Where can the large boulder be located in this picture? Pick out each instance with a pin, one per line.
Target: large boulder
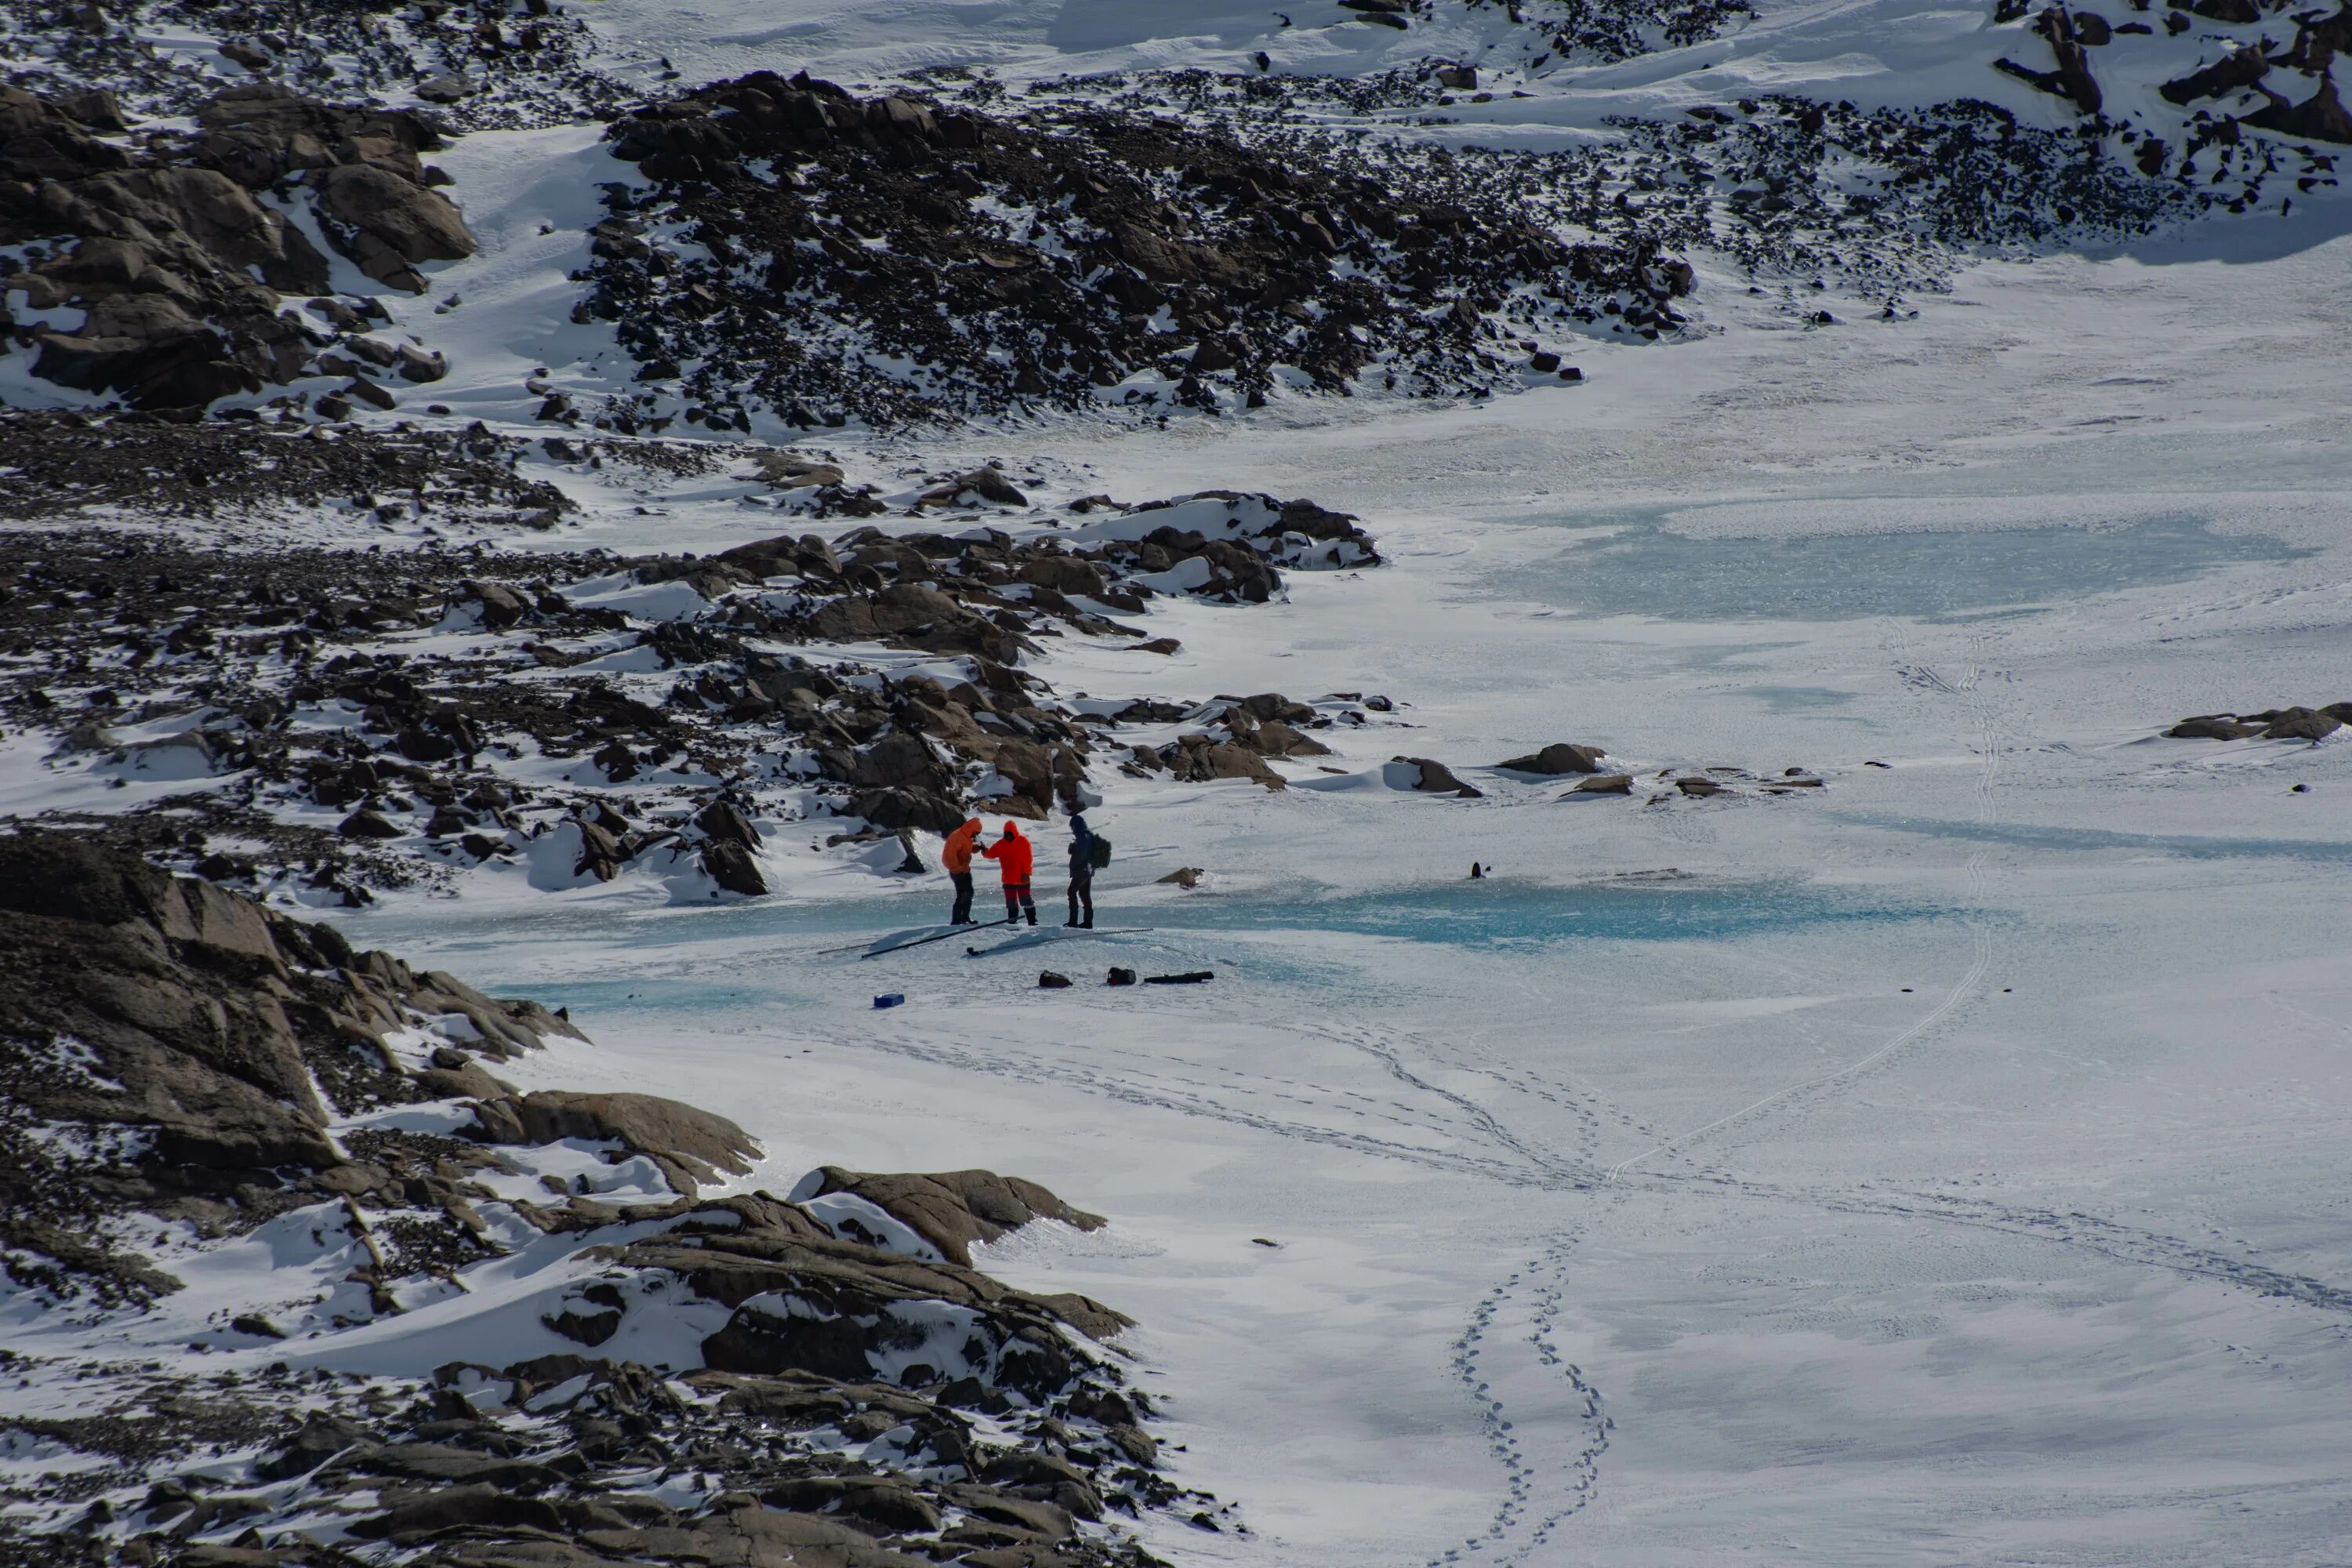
(1434, 777)
(388, 226)
(1197, 759)
(951, 1209)
(2300, 724)
(2214, 727)
(690, 1145)
(1556, 759)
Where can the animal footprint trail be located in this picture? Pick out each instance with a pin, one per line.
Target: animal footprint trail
(1158, 1091)
(1543, 1419)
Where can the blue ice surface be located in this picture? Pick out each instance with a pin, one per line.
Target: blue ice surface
(1644, 569)
(1496, 913)
(2095, 840)
(655, 964)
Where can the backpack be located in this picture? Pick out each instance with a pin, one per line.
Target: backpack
(1098, 853)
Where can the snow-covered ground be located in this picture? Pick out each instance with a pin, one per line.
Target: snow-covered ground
(1947, 1168)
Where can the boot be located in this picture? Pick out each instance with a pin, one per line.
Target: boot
(1088, 924)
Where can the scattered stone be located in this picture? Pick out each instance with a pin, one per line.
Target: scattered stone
(1051, 980)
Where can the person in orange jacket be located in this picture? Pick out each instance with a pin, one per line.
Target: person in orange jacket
(1012, 855)
(957, 857)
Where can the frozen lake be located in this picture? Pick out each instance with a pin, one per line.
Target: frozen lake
(1948, 1168)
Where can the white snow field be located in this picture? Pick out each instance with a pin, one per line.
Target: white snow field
(1950, 1167)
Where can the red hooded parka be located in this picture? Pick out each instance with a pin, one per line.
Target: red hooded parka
(1011, 854)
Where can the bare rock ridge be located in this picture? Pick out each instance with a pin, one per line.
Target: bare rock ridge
(878, 218)
(181, 270)
(859, 1395)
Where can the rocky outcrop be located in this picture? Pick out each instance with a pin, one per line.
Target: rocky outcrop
(955, 1209)
(180, 269)
(2269, 724)
(2071, 78)
(217, 1035)
(863, 1401)
(2322, 117)
(886, 247)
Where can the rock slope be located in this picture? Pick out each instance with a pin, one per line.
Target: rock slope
(827, 258)
(178, 249)
(194, 1083)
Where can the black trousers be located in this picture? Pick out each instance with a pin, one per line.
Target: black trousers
(962, 880)
(1082, 892)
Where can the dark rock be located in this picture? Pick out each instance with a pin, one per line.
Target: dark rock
(1197, 759)
(729, 864)
(692, 1146)
(989, 484)
(321, 1437)
(1051, 980)
(2300, 724)
(1434, 777)
(390, 227)
(1604, 784)
(1556, 759)
(2322, 117)
(953, 1209)
(2213, 729)
(2238, 70)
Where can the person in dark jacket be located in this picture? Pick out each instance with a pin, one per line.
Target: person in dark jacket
(1012, 857)
(1082, 872)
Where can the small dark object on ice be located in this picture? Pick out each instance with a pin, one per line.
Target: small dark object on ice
(1477, 872)
(1190, 977)
(1119, 976)
(1261, 1241)
(889, 999)
(1047, 980)
(1878, 764)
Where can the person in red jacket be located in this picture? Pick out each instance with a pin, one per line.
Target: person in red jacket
(957, 857)
(1011, 854)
